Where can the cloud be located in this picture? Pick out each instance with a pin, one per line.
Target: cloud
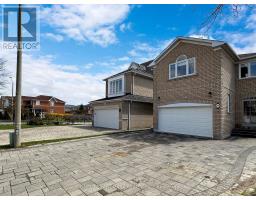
(88, 66)
(239, 30)
(242, 40)
(55, 37)
(124, 58)
(93, 23)
(143, 51)
(251, 21)
(125, 26)
(232, 17)
(42, 76)
(201, 36)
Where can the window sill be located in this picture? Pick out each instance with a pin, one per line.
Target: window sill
(115, 95)
(180, 77)
(250, 77)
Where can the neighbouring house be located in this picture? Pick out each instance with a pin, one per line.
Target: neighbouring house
(203, 88)
(128, 103)
(37, 106)
(79, 112)
(70, 108)
(6, 107)
(78, 109)
(47, 104)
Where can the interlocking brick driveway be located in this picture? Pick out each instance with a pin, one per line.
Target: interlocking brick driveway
(54, 132)
(131, 164)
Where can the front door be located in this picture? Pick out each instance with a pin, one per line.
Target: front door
(250, 112)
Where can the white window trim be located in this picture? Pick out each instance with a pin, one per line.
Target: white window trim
(38, 103)
(123, 84)
(249, 69)
(52, 103)
(187, 69)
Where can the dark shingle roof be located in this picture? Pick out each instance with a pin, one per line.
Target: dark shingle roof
(47, 98)
(142, 69)
(128, 97)
(247, 55)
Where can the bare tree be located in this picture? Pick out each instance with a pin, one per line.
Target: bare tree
(218, 11)
(3, 74)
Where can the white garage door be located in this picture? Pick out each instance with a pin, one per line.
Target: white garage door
(106, 118)
(185, 118)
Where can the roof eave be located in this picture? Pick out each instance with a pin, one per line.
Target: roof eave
(247, 58)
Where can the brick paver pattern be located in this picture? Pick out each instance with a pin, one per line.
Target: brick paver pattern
(126, 164)
(53, 132)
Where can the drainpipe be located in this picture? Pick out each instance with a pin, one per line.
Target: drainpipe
(129, 116)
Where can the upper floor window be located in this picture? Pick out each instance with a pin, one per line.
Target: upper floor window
(37, 102)
(247, 70)
(182, 67)
(6, 103)
(52, 103)
(116, 86)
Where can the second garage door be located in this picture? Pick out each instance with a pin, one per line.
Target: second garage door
(185, 118)
(106, 118)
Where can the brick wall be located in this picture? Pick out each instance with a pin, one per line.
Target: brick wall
(194, 88)
(227, 87)
(45, 106)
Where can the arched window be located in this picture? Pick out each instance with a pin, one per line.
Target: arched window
(181, 58)
(182, 67)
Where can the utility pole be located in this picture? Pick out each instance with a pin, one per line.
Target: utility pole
(17, 132)
(12, 101)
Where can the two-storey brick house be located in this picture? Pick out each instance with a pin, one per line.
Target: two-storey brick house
(37, 106)
(128, 103)
(203, 88)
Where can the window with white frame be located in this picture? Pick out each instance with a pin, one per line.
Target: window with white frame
(37, 102)
(247, 70)
(229, 103)
(6, 103)
(52, 103)
(116, 86)
(182, 67)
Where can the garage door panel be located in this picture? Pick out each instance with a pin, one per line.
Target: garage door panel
(106, 118)
(186, 120)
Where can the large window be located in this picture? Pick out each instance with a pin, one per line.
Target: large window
(116, 86)
(247, 70)
(52, 103)
(182, 67)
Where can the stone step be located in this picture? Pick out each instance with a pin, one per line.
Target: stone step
(245, 132)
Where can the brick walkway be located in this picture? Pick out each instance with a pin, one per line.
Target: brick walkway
(131, 164)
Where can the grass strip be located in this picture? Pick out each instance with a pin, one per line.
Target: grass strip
(24, 126)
